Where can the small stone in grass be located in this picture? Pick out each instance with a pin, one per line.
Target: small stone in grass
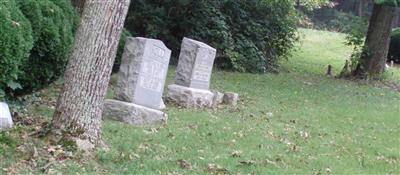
(231, 98)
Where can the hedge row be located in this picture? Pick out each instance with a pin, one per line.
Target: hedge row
(35, 41)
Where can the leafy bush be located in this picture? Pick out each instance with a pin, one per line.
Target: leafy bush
(15, 43)
(249, 35)
(394, 49)
(36, 37)
(53, 23)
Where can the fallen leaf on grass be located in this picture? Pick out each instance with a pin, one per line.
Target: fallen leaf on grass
(143, 147)
(193, 126)
(216, 169)
(328, 170)
(267, 161)
(236, 153)
(171, 136)
(174, 173)
(151, 130)
(35, 153)
(304, 134)
(185, 164)
(295, 148)
(247, 162)
(133, 156)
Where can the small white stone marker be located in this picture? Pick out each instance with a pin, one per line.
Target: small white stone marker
(5, 117)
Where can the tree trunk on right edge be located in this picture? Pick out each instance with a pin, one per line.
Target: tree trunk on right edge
(373, 58)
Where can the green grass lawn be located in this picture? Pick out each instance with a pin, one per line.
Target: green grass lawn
(296, 122)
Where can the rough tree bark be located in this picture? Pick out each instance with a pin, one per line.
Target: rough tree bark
(79, 5)
(373, 58)
(79, 107)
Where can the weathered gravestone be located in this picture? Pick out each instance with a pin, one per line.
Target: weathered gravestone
(192, 81)
(193, 74)
(5, 117)
(140, 83)
(195, 64)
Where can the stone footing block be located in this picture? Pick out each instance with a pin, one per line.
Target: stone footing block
(132, 113)
(218, 98)
(190, 97)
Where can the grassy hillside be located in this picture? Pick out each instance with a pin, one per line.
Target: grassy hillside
(299, 121)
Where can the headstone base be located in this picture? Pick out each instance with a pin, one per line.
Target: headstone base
(132, 113)
(190, 97)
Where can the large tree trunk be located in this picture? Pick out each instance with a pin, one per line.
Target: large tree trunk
(373, 58)
(79, 107)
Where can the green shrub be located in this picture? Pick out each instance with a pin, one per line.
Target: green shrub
(121, 46)
(35, 41)
(394, 49)
(53, 23)
(15, 43)
(249, 35)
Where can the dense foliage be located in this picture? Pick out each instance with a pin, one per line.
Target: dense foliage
(15, 43)
(394, 49)
(54, 23)
(249, 35)
(36, 37)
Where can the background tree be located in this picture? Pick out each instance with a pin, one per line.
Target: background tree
(357, 7)
(373, 57)
(79, 108)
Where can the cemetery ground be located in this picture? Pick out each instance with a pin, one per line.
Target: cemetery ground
(298, 121)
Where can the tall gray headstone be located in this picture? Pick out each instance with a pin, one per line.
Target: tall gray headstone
(195, 64)
(140, 83)
(5, 117)
(193, 74)
(143, 72)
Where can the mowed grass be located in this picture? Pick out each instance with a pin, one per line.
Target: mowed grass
(296, 122)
